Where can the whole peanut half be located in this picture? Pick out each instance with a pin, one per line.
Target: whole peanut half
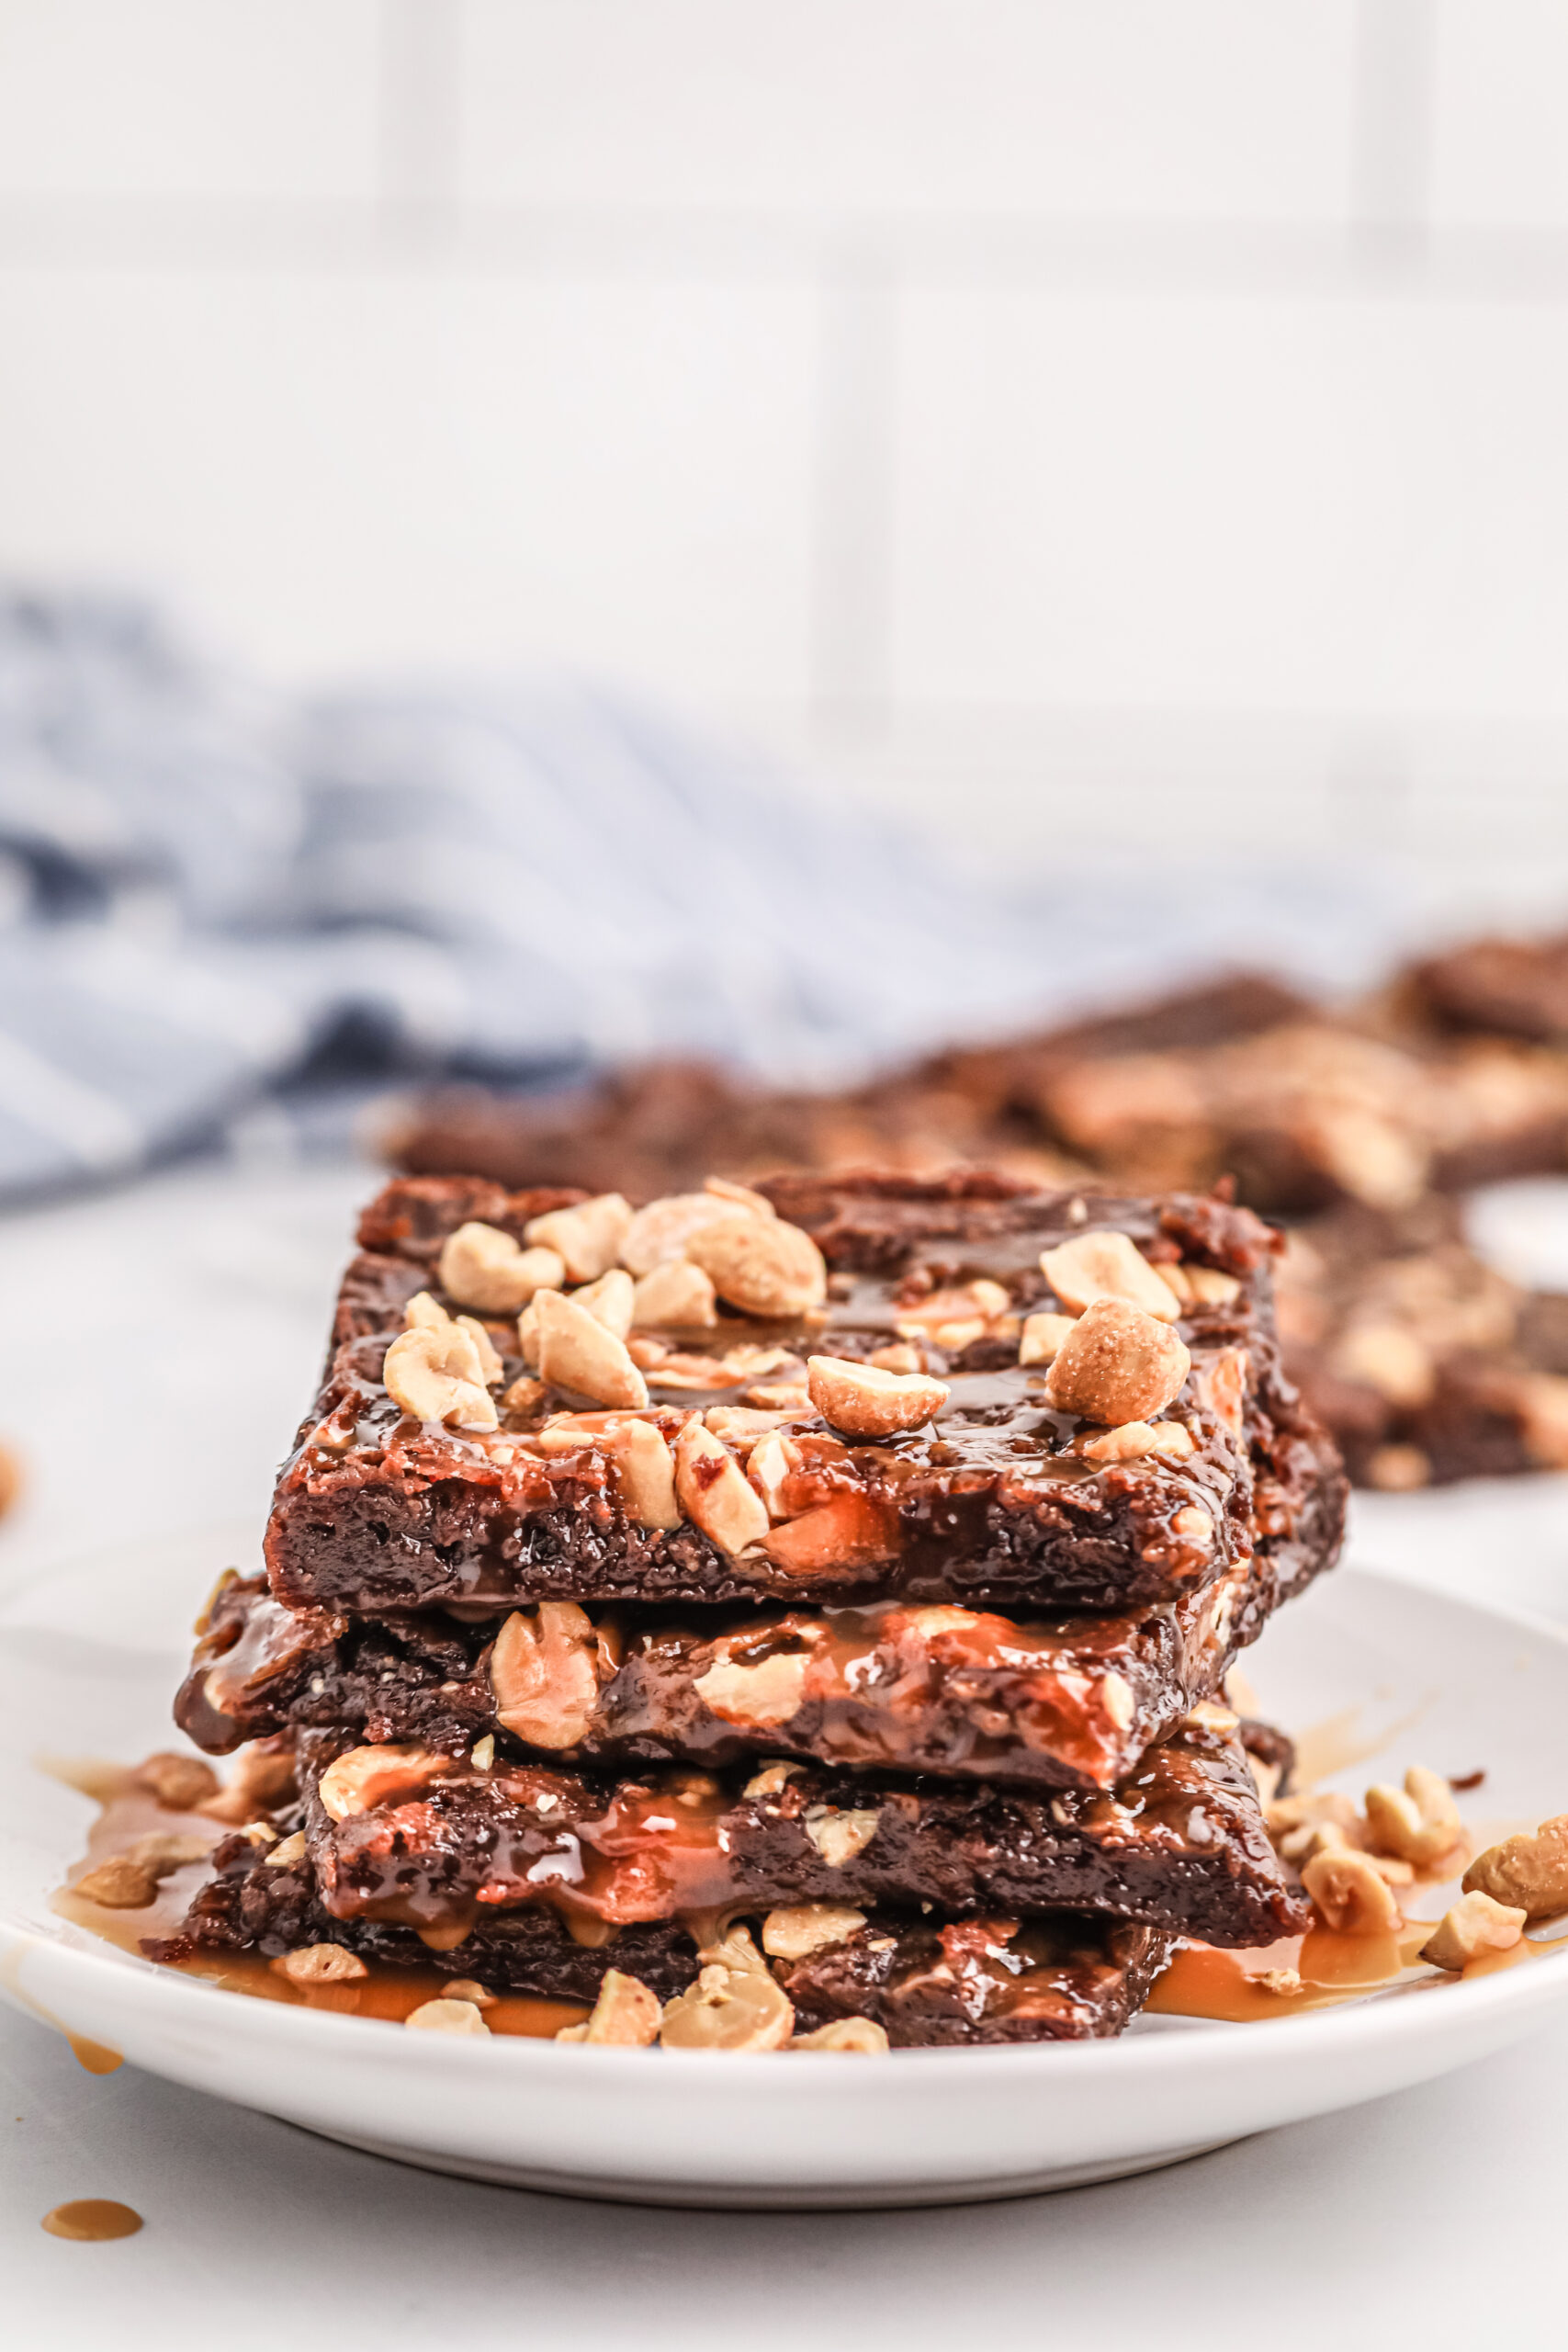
(1528, 1872)
(1119, 1364)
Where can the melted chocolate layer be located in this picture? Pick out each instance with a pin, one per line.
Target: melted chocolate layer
(1066, 1978)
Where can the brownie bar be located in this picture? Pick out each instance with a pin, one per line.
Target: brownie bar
(1069, 1703)
(661, 1126)
(1066, 1978)
(993, 1501)
(429, 1842)
(1427, 1365)
(1511, 988)
(1314, 1113)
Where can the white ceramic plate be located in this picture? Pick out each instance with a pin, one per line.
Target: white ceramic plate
(89, 1658)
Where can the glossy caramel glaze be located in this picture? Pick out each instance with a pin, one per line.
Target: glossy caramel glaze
(1067, 1702)
(991, 1502)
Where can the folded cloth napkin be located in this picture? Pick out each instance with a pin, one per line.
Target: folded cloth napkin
(211, 894)
(206, 890)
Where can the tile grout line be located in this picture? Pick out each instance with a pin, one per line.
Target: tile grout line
(1393, 89)
(419, 139)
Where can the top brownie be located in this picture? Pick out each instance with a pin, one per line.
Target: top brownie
(841, 1388)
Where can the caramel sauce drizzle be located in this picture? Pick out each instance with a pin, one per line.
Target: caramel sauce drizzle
(127, 1813)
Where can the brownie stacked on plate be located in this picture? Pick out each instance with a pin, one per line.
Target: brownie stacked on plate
(805, 1608)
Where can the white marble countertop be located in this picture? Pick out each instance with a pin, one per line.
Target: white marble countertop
(1434, 2211)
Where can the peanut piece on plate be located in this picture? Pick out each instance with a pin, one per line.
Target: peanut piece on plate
(482, 1266)
(1350, 1893)
(771, 1779)
(1107, 1265)
(626, 2014)
(163, 1852)
(1529, 1871)
(262, 1777)
(319, 1964)
(179, 1783)
(436, 1374)
(576, 1352)
(587, 1237)
(714, 1492)
(734, 2005)
(1420, 1822)
(447, 2016)
(119, 1885)
(1119, 1366)
(861, 2035)
(865, 1402)
(760, 1265)
(1474, 1924)
(544, 1670)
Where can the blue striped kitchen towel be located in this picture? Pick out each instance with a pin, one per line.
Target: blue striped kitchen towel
(207, 889)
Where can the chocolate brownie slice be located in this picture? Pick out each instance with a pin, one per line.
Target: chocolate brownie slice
(1000, 1497)
(1069, 1701)
(1068, 1978)
(415, 1839)
(1427, 1365)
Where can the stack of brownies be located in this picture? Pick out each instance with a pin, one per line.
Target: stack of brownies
(790, 1615)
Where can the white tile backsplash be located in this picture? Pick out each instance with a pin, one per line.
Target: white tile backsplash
(1109, 499)
(981, 396)
(333, 469)
(1311, 504)
(1132, 108)
(199, 99)
(1500, 103)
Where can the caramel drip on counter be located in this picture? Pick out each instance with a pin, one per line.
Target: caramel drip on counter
(95, 2056)
(93, 2219)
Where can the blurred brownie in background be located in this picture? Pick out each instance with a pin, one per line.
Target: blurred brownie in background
(1505, 988)
(1359, 1129)
(1241, 1078)
(1426, 1365)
